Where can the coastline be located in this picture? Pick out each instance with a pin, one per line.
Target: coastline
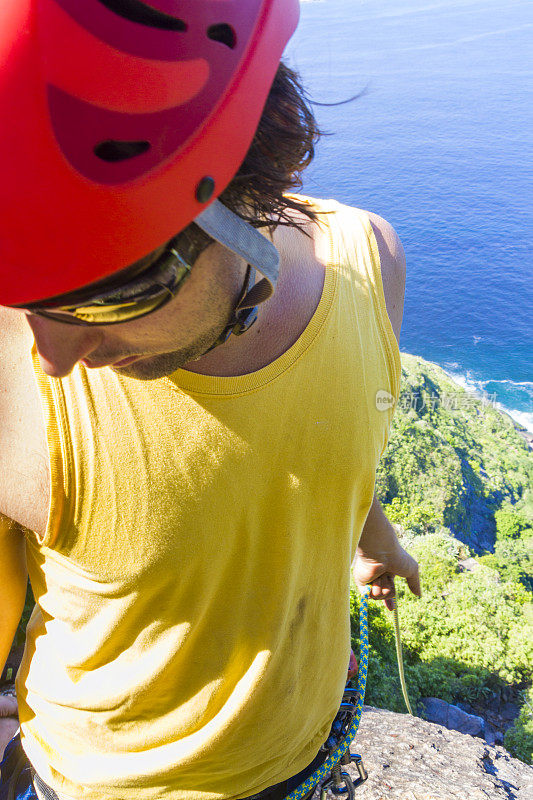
(526, 434)
(523, 417)
(467, 386)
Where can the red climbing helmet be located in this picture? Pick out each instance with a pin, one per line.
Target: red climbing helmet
(121, 120)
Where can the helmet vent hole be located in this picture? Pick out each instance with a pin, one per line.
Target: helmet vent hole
(137, 11)
(113, 151)
(224, 34)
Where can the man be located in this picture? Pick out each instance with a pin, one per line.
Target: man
(188, 448)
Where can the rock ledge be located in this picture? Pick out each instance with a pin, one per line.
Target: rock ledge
(408, 758)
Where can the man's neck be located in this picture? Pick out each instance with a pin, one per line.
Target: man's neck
(282, 318)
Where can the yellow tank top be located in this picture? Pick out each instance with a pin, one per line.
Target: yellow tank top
(191, 636)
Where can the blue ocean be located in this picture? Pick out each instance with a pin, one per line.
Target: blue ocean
(440, 145)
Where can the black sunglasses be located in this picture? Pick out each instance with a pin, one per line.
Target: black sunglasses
(136, 298)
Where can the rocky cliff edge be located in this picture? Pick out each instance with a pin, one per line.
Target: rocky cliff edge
(409, 759)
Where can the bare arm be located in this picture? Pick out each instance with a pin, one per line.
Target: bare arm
(13, 584)
(379, 555)
(380, 558)
(12, 596)
(13, 572)
(393, 269)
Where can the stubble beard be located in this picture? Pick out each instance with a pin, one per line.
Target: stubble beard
(218, 305)
(151, 368)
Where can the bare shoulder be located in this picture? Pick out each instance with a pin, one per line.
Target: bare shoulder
(23, 448)
(393, 269)
(11, 354)
(15, 346)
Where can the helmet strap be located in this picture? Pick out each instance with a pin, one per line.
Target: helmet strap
(245, 312)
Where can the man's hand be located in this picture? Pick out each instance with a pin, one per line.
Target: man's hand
(8, 706)
(380, 558)
(8, 720)
(380, 571)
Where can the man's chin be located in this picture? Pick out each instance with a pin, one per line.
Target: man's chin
(161, 365)
(150, 368)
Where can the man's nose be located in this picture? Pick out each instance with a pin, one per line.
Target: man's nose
(60, 345)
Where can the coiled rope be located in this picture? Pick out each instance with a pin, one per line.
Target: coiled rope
(323, 772)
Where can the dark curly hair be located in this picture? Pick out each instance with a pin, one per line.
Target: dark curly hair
(283, 146)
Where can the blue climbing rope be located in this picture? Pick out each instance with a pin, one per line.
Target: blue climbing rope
(334, 757)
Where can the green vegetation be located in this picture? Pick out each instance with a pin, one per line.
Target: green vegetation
(512, 560)
(511, 524)
(457, 478)
(519, 738)
(453, 461)
(466, 638)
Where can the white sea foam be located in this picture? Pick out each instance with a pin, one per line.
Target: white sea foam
(527, 384)
(470, 384)
(465, 381)
(524, 418)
